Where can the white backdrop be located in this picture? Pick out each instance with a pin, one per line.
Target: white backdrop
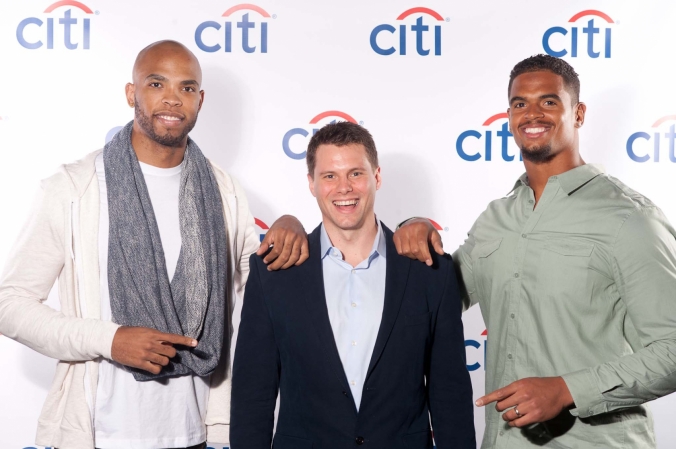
(305, 63)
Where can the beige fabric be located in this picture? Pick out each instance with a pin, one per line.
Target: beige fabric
(60, 240)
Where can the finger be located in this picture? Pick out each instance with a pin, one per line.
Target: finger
(397, 241)
(510, 415)
(435, 240)
(497, 395)
(510, 401)
(268, 240)
(304, 252)
(151, 367)
(295, 255)
(275, 251)
(404, 248)
(424, 252)
(164, 349)
(287, 247)
(523, 421)
(158, 359)
(175, 339)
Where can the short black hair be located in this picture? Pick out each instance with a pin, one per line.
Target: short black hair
(548, 63)
(341, 134)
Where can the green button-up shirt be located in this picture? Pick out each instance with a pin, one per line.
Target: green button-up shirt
(582, 286)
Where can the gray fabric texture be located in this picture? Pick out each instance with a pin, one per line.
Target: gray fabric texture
(194, 302)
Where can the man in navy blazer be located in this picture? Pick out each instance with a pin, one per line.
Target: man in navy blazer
(362, 345)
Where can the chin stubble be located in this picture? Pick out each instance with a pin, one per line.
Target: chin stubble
(167, 139)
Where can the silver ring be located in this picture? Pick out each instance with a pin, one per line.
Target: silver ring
(516, 410)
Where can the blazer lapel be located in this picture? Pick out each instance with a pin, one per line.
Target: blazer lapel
(396, 278)
(319, 313)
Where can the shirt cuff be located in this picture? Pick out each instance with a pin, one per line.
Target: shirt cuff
(218, 433)
(585, 392)
(106, 337)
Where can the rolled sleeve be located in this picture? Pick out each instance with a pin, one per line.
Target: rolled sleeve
(463, 270)
(583, 387)
(644, 266)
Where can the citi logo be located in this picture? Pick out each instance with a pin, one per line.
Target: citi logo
(30, 31)
(561, 48)
(480, 355)
(437, 226)
(386, 39)
(252, 35)
(468, 144)
(263, 228)
(638, 144)
(300, 144)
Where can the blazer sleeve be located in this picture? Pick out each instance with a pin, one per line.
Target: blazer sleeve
(256, 370)
(450, 387)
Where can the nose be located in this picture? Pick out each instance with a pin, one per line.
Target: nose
(171, 99)
(344, 185)
(533, 111)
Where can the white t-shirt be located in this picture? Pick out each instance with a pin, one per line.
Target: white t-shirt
(165, 413)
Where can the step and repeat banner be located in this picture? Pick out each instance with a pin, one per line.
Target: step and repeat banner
(427, 78)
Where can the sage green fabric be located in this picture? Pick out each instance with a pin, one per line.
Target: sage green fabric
(582, 286)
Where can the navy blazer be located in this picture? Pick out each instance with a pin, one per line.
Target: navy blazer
(417, 368)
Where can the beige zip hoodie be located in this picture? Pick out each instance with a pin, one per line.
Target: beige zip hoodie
(60, 240)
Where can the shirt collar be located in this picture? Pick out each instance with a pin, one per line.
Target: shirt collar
(571, 180)
(379, 247)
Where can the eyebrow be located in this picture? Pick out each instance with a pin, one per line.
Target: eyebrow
(542, 97)
(157, 77)
(349, 170)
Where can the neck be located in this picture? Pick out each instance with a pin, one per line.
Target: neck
(539, 173)
(355, 244)
(152, 153)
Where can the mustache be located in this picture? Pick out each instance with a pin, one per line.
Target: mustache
(536, 122)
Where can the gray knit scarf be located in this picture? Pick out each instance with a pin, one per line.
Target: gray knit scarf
(194, 303)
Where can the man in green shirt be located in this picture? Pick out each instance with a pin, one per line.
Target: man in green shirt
(575, 274)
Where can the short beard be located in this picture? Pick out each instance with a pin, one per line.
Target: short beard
(167, 140)
(537, 155)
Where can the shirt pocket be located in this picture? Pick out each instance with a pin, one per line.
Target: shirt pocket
(485, 266)
(564, 268)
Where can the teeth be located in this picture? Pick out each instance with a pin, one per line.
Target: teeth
(166, 117)
(346, 203)
(535, 130)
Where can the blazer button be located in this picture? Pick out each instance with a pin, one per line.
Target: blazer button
(359, 440)
(344, 393)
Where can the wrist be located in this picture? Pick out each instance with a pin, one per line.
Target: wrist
(411, 220)
(566, 396)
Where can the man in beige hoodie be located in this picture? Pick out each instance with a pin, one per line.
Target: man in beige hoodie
(94, 400)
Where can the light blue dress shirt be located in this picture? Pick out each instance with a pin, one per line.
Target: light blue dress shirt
(355, 297)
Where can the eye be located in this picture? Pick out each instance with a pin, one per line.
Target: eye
(155, 84)
(329, 177)
(550, 103)
(356, 173)
(189, 89)
(519, 105)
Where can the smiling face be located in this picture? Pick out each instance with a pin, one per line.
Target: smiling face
(165, 94)
(345, 184)
(542, 117)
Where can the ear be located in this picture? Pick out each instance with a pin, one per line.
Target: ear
(378, 178)
(311, 182)
(199, 108)
(129, 91)
(580, 111)
(509, 120)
